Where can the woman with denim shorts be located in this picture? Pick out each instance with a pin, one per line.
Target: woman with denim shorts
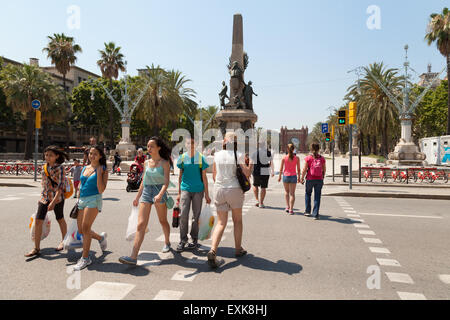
(153, 191)
(290, 169)
(94, 179)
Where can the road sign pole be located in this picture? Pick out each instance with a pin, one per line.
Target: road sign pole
(36, 147)
(351, 156)
(332, 143)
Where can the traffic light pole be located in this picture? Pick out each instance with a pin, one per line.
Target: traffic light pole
(351, 156)
(332, 143)
(36, 147)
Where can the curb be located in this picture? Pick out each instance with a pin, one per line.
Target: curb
(389, 195)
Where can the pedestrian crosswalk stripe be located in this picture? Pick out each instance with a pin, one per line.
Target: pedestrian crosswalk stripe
(362, 226)
(357, 220)
(354, 216)
(10, 199)
(379, 250)
(148, 258)
(445, 278)
(401, 215)
(388, 262)
(196, 259)
(399, 277)
(367, 232)
(372, 240)
(174, 237)
(228, 230)
(184, 275)
(105, 291)
(411, 296)
(168, 295)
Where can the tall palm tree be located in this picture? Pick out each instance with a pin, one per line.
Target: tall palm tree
(376, 111)
(111, 62)
(62, 50)
(21, 85)
(439, 32)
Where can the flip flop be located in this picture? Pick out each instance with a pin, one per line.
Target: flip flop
(60, 247)
(241, 253)
(33, 253)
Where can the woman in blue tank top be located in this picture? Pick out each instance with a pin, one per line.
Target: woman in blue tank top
(153, 190)
(94, 179)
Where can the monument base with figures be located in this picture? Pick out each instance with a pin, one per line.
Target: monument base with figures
(236, 119)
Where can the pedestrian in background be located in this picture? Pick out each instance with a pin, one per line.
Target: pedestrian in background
(94, 179)
(290, 169)
(117, 161)
(192, 187)
(153, 191)
(52, 196)
(75, 171)
(262, 168)
(314, 169)
(228, 195)
(92, 143)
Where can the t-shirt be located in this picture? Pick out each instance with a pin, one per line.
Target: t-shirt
(261, 159)
(309, 159)
(76, 172)
(226, 169)
(192, 179)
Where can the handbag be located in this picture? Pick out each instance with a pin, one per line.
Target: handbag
(74, 211)
(242, 179)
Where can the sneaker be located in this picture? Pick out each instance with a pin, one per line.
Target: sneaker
(262, 206)
(307, 214)
(103, 243)
(291, 212)
(180, 247)
(166, 248)
(193, 245)
(128, 260)
(317, 217)
(82, 263)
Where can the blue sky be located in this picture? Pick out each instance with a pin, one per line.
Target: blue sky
(300, 51)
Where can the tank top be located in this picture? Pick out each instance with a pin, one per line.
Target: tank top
(155, 176)
(290, 166)
(88, 185)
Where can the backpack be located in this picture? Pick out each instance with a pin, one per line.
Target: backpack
(68, 185)
(316, 167)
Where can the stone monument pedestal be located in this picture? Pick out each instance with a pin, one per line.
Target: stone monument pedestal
(407, 153)
(234, 119)
(126, 149)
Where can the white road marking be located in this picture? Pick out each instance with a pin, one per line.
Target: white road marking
(10, 199)
(148, 258)
(184, 275)
(445, 278)
(357, 220)
(174, 238)
(372, 240)
(350, 211)
(366, 232)
(354, 216)
(228, 230)
(168, 295)
(388, 262)
(399, 277)
(197, 260)
(411, 296)
(400, 215)
(379, 250)
(362, 226)
(105, 291)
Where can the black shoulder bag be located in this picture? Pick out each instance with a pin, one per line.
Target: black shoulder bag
(243, 181)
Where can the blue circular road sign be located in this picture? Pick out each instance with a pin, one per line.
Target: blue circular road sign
(36, 104)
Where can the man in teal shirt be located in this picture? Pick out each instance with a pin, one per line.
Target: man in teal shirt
(192, 185)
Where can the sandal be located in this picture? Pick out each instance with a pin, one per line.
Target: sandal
(33, 253)
(212, 259)
(60, 247)
(241, 253)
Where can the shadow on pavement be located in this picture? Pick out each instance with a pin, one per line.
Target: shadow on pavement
(338, 220)
(111, 199)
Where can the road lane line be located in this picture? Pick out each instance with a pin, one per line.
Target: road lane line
(399, 277)
(400, 215)
(388, 262)
(411, 296)
(106, 291)
(184, 275)
(379, 250)
(168, 295)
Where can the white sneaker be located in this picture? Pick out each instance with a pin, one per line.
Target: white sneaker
(166, 248)
(82, 263)
(103, 242)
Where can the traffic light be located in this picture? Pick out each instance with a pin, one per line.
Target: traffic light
(327, 137)
(352, 113)
(342, 117)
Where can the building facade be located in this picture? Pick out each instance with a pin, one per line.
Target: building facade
(298, 137)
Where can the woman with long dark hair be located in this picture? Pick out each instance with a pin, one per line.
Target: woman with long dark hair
(153, 191)
(52, 197)
(94, 179)
(290, 169)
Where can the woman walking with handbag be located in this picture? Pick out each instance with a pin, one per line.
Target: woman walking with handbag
(153, 191)
(229, 175)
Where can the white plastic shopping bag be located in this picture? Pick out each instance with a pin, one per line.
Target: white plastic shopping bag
(133, 224)
(45, 227)
(205, 223)
(73, 238)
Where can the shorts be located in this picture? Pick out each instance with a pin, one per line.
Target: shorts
(226, 199)
(290, 179)
(150, 192)
(43, 209)
(261, 181)
(76, 184)
(91, 202)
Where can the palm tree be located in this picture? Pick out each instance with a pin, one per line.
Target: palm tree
(21, 85)
(110, 64)
(62, 51)
(439, 32)
(376, 112)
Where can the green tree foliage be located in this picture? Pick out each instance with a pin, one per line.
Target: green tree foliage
(431, 114)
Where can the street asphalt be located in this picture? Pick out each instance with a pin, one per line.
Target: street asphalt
(404, 241)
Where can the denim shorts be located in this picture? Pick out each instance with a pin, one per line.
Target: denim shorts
(150, 192)
(290, 179)
(91, 202)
